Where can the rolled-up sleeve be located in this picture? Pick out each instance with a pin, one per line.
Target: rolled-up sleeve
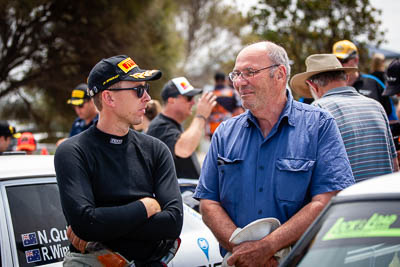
(332, 169)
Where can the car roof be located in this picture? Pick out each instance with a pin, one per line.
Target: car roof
(17, 166)
(381, 185)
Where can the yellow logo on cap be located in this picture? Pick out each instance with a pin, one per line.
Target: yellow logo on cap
(142, 75)
(127, 64)
(78, 94)
(112, 78)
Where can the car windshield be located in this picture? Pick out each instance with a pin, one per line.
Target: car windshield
(356, 234)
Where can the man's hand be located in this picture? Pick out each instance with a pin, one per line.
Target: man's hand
(151, 205)
(205, 104)
(252, 253)
(78, 243)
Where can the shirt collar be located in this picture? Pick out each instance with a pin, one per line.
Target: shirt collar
(340, 91)
(287, 113)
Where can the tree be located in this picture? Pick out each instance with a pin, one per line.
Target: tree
(47, 47)
(212, 32)
(313, 26)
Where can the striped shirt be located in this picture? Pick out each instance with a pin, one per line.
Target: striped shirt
(365, 130)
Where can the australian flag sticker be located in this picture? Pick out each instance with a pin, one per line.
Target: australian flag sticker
(32, 255)
(29, 239)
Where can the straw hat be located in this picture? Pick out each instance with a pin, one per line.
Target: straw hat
(316, 64)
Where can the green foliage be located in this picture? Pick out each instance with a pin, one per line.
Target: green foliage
(313, 26)
(47, 47)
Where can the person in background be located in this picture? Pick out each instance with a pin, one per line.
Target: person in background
(393, 89)
(84, 109)
(7, 133)
(365, 84)
(26, 143)
(153, 107)
(378, 66)
(280, 158)
(362, 121)
(118, 187)
(178, 98)
(228, 103)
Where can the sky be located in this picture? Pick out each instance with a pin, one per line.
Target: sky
(390, 20)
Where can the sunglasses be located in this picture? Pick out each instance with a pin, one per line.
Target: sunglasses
(139, 89)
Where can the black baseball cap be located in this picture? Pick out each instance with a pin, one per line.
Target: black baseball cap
(393, 78)
(79, 95)
(115, 69)
(178, 86)
(7, 130)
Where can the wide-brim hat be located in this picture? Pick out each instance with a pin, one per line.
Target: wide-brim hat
(115, 69)
(316, 64)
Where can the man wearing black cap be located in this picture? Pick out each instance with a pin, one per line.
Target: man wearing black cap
(177, 95)
(84, 108)
(7, 132)
(118, 187)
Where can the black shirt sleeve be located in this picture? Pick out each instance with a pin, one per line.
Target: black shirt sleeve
(89, 222)
(167, 223)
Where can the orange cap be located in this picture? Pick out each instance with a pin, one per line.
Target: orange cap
(26, 142)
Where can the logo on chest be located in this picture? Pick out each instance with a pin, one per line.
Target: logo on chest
(115, 141)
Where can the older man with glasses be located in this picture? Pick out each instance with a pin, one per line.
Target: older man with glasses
(118, 187)
(178, 98)
(279, 159)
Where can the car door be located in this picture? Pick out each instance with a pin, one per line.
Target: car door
(36, 227)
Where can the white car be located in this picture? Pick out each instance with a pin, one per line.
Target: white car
(33, 227)
(359, 227)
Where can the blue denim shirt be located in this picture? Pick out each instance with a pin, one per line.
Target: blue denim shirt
(255, 177)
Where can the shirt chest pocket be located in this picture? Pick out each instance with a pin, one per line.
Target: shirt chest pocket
(293, 177)
(229, 172)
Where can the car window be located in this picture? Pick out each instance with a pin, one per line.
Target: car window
(38, 223)
(355, 235)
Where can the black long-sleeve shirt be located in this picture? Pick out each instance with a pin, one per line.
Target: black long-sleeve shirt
(101, 179)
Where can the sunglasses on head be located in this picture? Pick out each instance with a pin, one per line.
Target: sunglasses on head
(139, 89)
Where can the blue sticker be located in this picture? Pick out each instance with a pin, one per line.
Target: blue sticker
(32, 255)
(29, 239)
(203, 244)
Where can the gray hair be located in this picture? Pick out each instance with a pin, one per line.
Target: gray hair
(277, 54)
(323, 78)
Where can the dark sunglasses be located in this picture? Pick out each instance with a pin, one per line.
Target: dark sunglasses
(139, 89)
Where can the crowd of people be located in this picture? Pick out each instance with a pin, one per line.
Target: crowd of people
(270, 156)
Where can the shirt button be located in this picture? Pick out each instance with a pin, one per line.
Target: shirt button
(222, 171)
(261, 167)
(259, 211)
(260, 189)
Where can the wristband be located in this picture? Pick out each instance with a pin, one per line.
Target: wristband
(202, 117)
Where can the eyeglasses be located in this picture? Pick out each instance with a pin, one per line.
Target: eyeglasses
(249, 73)
(139, 89)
